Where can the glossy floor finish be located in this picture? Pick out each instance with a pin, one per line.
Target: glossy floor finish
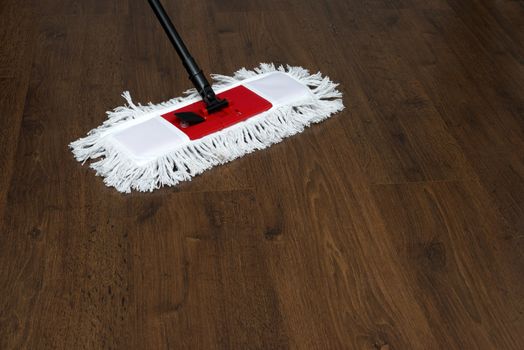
(397, 224)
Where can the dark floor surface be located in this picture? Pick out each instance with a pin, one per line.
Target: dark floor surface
(397, 224)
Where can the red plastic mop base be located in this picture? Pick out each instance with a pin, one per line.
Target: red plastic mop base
(243, 104)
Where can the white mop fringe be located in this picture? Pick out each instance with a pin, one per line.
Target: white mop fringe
(191, 159)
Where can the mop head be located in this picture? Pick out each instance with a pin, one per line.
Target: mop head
(141, 148)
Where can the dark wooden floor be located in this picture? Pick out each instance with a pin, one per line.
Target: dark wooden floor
(398, 224)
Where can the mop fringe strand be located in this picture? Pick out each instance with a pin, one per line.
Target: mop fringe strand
(193, 158)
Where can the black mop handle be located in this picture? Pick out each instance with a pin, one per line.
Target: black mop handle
(196, 75)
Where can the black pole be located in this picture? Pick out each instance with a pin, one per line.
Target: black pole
(196, 75)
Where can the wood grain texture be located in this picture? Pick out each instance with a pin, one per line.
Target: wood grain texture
(397, 224)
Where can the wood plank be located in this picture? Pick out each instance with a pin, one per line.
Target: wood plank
(16, 57)
(459, 260)
(459, 83)
(502, 175)
(218, 293)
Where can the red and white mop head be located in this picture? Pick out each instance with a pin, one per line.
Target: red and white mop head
(146, 147)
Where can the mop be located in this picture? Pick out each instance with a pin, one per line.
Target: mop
(144, 147)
